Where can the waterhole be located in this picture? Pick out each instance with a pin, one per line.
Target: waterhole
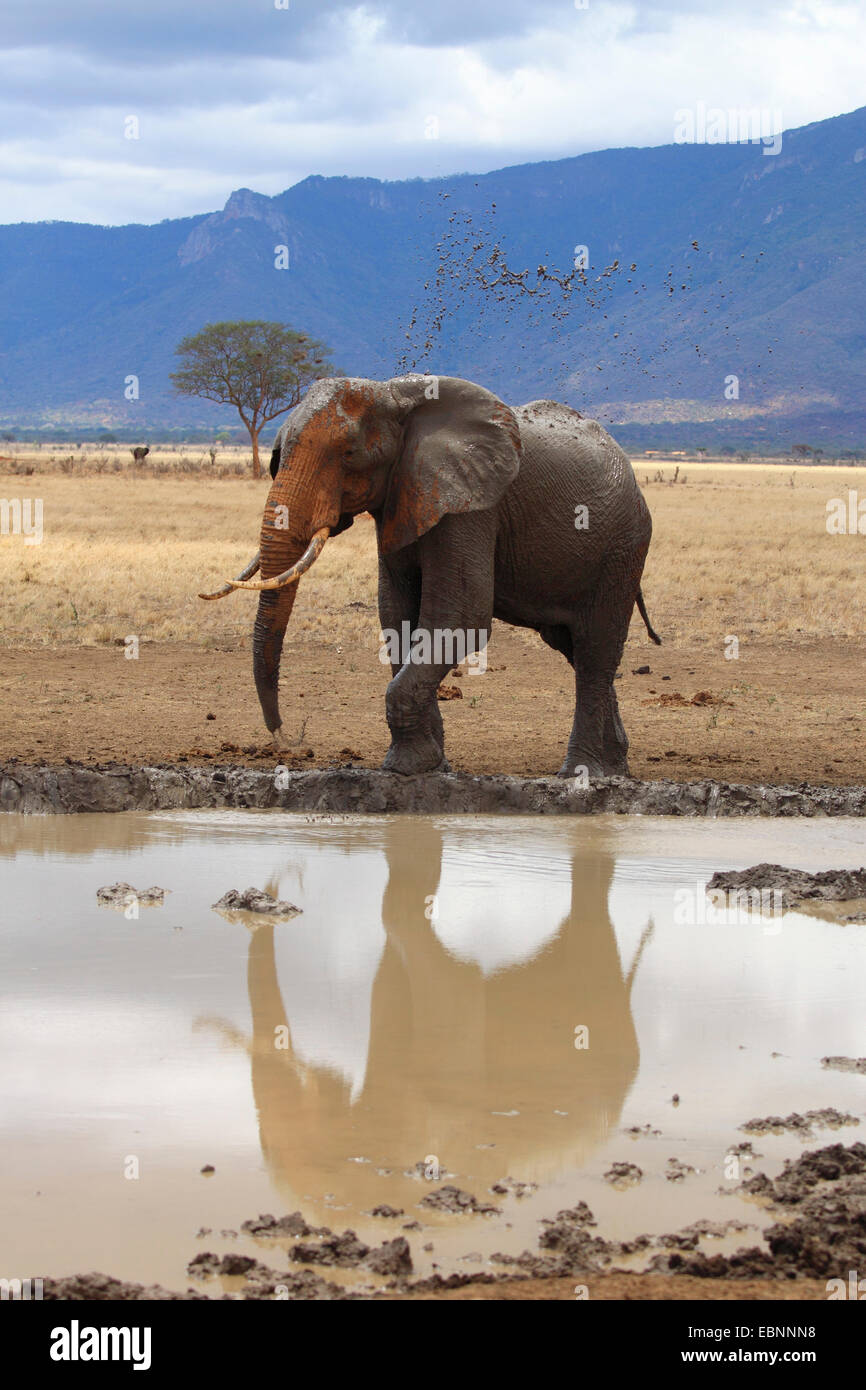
(460, 1001)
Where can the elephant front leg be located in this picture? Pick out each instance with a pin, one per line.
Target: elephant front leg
(415, 722)
(455, 562)
(399, 610)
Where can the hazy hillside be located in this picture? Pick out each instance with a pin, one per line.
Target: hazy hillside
(774, 293)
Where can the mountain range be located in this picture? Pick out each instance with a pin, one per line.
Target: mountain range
(688, 295)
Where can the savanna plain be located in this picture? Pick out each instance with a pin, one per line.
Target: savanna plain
(760, 606)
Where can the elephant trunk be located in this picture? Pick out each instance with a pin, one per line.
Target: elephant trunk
(296, 523)
(275, 608)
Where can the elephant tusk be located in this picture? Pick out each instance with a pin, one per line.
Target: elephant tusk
(290, 576)
(251, 569)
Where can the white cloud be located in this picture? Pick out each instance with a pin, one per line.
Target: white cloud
(354, 89)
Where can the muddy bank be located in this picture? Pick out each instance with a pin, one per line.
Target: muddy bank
(820, 1199)
(72, 787)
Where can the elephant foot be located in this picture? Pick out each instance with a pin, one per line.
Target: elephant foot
(586, 769)
(410, 757)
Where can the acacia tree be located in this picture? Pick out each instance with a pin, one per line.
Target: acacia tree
(260, 368)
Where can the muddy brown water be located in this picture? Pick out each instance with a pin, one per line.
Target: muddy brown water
(427, 1008)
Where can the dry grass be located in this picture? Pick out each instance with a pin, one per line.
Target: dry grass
(738, 549)
(94, 460)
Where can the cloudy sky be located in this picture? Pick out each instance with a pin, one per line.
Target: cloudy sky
(117, 112)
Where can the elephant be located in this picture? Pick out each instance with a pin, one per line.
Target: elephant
(531, 515)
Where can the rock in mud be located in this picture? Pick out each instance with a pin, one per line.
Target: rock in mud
(454, 1200)
(255, 900)
(123, 895)
(804, 1125)
(383, 1209)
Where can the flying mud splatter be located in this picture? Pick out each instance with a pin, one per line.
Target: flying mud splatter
(578, 325)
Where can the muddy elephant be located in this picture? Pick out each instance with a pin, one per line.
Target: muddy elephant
(531, 515)
(461, 1051)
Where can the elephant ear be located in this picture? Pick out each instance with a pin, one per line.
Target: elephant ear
(461, 450)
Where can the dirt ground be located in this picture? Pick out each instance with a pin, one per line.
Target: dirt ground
(634, 1288)
(785, 711)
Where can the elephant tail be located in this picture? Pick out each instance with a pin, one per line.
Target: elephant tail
(641, 607)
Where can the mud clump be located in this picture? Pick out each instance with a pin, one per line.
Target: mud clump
(255, 900)
(802, 1175)
(623, 1174)
(800, 1124)
(261, 1281)
(745, 1264)
(292, 1225)
(344, 1250)
(855, 1064)
(569, 1247)
(392, 1258)
(689, 1236)
(515, 1186)
(103, 1288)
(823, 1195)
(677, 1170)
(454, 1200)
(124, 895)
(206, 1265)
(797, 887)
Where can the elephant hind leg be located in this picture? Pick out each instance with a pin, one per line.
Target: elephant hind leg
(598, 743)
(615, 738)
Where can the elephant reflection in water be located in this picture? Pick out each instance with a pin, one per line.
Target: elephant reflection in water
(478, 1072)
